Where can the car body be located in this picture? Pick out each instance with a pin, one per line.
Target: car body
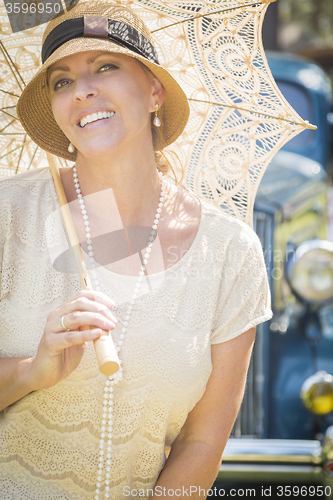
(276, 439)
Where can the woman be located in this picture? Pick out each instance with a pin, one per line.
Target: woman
(183, 321)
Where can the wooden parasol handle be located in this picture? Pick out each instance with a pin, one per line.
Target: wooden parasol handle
(106, 354)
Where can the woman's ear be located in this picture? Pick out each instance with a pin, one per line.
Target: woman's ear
(158, 94)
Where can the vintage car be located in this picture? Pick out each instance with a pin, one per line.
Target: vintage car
(282, 440)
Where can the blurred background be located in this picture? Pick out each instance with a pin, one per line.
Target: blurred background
(303, 27)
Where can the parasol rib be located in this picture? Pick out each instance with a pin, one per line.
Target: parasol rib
(212, 13)
(21, 152)
(8, 133)
(8, 58)
(304, 124)
(6, 113)
(10, 93)
(18, 147)
(32, 158)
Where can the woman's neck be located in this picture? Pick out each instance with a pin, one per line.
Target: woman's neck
(129, 186)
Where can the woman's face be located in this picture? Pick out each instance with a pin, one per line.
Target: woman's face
(98, 81)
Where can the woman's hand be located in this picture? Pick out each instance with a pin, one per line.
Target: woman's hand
(60, 352)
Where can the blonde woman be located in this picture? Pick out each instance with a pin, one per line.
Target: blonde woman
(181, 307)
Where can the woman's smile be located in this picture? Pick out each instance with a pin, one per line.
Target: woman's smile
(94, 117)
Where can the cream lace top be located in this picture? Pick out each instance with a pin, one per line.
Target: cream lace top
(49, 440)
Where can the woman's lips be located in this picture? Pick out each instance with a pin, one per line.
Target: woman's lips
(95, 123)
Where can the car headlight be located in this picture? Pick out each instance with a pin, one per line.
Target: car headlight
(317, 393)
(310, 271)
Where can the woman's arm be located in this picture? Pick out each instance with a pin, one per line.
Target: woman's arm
(196, 453)
(14, 380)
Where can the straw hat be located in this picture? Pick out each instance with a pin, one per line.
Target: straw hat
(95, 26)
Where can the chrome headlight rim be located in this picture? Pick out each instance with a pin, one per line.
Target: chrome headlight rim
(301, 251)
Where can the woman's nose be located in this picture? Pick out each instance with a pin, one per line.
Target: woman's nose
(84, 88)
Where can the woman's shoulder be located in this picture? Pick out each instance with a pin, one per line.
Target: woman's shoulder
(35, 174)
(219, 223)
(28, 185)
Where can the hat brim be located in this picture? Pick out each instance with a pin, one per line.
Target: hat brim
(34, 106)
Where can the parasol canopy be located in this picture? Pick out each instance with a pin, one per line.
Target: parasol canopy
(239, 119)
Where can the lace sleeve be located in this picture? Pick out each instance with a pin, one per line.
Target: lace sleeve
(244, 298)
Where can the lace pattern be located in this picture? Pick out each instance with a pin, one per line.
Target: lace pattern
(49, 440)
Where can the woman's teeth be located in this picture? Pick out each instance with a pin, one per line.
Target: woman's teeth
(95, 116)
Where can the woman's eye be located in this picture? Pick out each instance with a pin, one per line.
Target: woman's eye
(112, 66)
(58, 84)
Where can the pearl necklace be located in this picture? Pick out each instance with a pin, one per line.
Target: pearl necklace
(107, 416)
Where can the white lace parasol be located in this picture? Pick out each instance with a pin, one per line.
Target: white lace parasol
(239, 118)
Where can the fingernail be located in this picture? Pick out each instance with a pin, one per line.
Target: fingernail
(109, 324)
(111, 318)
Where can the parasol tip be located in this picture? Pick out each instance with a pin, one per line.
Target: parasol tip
(309, 126)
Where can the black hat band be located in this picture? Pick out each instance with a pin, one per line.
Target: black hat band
(98, 26)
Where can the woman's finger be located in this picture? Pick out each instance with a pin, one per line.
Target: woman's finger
(83, 303)
(57, 343)
(74, 320)
(94, 295)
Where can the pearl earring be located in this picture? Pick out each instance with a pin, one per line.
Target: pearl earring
(70, 148)
(157, 121)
